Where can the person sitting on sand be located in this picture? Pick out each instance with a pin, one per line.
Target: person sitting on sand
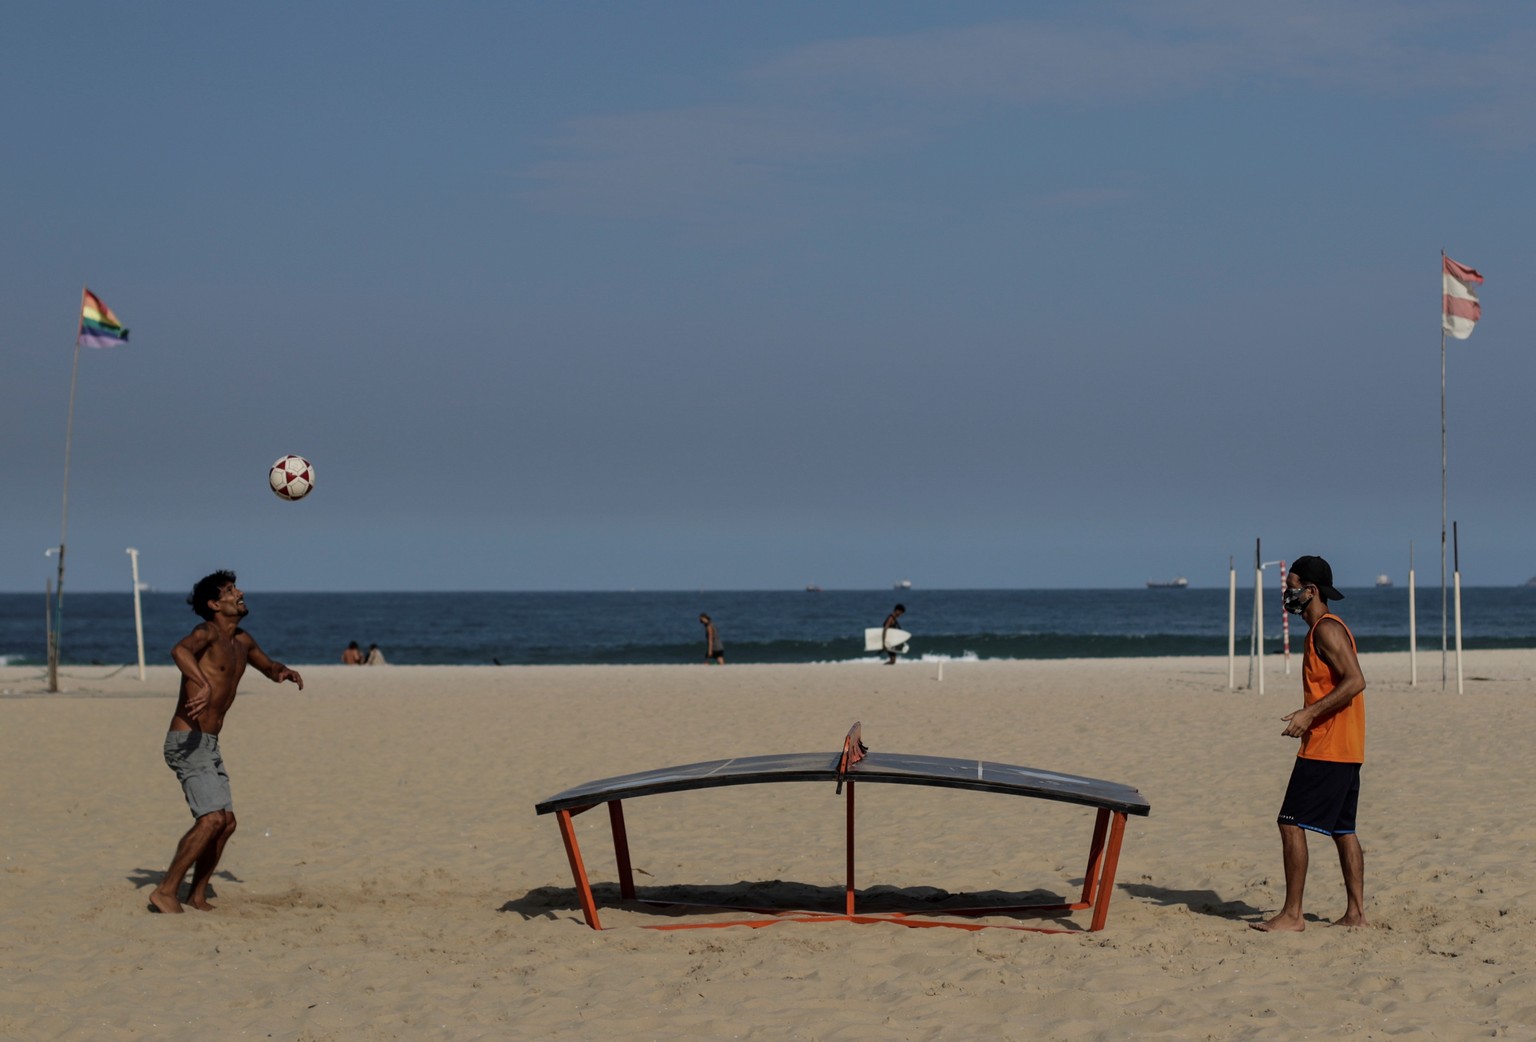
(375, 656)
(353, 656)
(212, 659)
(1325, 781)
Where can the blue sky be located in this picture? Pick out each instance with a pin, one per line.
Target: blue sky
(704, 295)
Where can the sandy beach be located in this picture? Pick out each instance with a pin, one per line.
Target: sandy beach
(390, 879)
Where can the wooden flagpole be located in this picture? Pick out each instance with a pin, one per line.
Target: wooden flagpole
(58, 590)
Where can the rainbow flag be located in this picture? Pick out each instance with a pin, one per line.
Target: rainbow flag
(98, 326)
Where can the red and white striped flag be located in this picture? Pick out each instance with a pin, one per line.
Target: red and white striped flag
(1461, 310)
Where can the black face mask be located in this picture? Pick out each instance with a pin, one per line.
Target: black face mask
(1294, 601)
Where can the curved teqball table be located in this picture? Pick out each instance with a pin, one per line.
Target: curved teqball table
(855, 764)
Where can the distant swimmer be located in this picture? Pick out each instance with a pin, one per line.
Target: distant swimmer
(892, 622)
(212, 659)
(714, 650)
(1324, 790)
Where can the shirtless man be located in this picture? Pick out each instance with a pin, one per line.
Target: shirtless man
(212, 659)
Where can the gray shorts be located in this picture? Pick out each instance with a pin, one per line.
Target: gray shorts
(194, 756)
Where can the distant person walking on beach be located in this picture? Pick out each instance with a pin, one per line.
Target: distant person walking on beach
(1325, 781)
(714, 651)
(212, 659)
(353, 656)
(892, 622)
(375, 656)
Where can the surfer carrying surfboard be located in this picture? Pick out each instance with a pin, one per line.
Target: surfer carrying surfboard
(892, 622)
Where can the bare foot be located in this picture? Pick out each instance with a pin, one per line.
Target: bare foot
(1281, 923)
(159, 902)
(200, 903)
(1351, 921)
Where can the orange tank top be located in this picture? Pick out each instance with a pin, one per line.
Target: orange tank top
(1339, 736)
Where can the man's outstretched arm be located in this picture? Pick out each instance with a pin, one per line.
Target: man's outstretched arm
(273, 671)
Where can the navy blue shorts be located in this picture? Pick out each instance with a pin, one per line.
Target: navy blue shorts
(1322, 797)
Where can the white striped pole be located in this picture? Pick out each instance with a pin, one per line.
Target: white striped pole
(1456, 546)
(1285, 620)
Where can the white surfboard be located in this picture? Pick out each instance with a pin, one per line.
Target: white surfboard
(895, 640)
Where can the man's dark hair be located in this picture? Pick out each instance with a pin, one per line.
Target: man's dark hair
(901, 608)
(207, 589)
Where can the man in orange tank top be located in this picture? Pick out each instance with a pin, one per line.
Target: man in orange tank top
(1325, 782)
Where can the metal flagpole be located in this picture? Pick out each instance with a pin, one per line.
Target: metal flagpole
(58, 588)
(1442, 496)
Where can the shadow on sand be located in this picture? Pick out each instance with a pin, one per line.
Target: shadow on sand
(781, 897)
(1201, 902)
(150, 877)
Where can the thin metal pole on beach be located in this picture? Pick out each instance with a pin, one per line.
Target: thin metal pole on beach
(1231, 624)
(58, 590)
(138, 613)
(1456, 560)
(1258, 617)
(1442, 494)
(1258, 612)
(1413, 624)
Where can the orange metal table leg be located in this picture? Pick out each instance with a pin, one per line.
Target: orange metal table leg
(1095, 858)
(578, 870)
(1107, 880)
(848, 891)
(621, 849)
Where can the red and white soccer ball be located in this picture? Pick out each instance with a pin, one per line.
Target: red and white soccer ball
(292, 477)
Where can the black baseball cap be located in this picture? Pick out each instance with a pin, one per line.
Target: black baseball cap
(1315, 572)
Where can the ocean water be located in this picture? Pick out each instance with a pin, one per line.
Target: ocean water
(764, 626)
